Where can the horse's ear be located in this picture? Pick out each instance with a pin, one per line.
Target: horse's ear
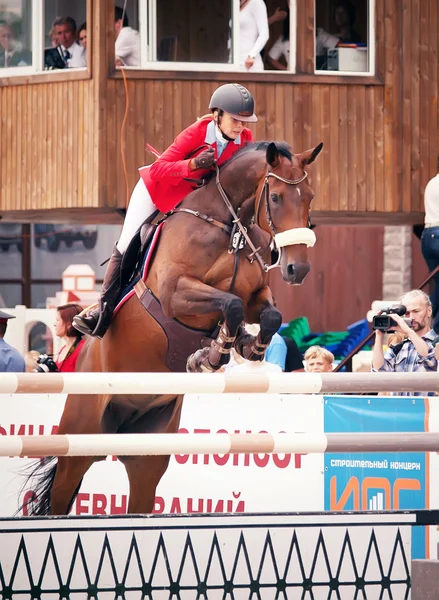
(309, 156)
(272, 155)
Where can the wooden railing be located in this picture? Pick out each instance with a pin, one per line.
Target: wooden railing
(347, 361)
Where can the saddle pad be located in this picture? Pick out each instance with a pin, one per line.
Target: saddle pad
(146, 262)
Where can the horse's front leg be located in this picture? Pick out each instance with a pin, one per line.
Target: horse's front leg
(193, 297)
(260, 309)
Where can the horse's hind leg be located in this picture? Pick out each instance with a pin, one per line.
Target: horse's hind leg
(69, 473)
(82, 414)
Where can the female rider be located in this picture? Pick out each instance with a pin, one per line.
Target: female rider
(213, 139)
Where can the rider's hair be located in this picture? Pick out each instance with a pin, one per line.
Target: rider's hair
(206, 116)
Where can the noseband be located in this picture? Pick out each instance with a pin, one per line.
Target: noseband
(298, 235)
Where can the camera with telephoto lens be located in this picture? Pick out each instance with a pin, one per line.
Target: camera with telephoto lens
(384, 321)
(46, 364)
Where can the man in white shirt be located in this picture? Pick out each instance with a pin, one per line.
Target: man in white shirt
(430, 239)
(127, 47)
(65, 33)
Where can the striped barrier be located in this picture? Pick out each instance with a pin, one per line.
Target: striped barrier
(257, 382)
(220, 443)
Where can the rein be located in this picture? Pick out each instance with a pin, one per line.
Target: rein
(243, 231)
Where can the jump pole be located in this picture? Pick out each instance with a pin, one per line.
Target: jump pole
(257, 382)
(220, 443)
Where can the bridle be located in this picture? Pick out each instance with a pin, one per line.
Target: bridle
(298, 235)
(265, 190)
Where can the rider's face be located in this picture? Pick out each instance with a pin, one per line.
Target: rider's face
(230, 126)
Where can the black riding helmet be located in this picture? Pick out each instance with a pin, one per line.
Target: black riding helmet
(236, 100)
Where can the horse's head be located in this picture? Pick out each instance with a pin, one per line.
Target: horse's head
(283, 207)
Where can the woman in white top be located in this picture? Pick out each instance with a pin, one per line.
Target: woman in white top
(253, 34)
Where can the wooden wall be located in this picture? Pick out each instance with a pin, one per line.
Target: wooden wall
(381, 140)
(380, 134)
(345, 278)
(47, 146)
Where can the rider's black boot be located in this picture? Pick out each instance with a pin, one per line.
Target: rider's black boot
(96, 321)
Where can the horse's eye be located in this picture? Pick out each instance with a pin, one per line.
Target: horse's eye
(275, 198)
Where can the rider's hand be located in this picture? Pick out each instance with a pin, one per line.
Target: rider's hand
(204, 160)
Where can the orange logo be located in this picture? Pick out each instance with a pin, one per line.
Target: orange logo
(360, 492)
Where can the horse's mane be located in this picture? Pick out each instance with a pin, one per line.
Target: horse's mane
(282, 147)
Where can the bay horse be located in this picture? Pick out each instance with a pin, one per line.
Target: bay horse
(202, 273)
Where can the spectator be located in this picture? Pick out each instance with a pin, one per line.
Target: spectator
(294, 360)
(11, 52)
(318, 360)
(281, 47)
(253, 34)
(82, 35)
(127, 41)
(416, 351)
(430, 239)
(73, 342)
(30, 359)
(11, 360)
(344, 17)
(72, 53)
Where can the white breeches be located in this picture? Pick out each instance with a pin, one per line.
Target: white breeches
(140, 208)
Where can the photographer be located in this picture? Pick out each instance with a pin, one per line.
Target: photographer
(416, 351)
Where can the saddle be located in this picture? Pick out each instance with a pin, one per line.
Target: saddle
(182, 341)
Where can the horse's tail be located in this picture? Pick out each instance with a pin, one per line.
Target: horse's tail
(38, 487)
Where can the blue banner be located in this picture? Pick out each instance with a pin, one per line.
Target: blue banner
(377, 481)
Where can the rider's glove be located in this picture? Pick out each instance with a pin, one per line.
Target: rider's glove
(204, 160)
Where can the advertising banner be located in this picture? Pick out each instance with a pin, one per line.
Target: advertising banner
(378, 481)
(195, 483)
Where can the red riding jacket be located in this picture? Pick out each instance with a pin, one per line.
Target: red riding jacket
(164, 179)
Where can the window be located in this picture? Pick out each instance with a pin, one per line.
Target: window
(206, 36)
(56, 247)
(344, 37)
(16, 35)
(37, 35)
(11, 246)
(10, 295)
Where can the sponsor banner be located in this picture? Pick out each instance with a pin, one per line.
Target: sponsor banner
(378, 481)
(195, 483)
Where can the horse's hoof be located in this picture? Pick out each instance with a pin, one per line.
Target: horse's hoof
(198, 362)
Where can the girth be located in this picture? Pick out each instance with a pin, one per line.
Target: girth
(182, 341)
